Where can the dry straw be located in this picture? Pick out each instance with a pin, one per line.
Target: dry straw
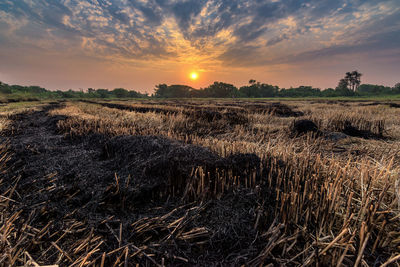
(309, 207)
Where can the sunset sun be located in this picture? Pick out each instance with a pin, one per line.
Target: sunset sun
(194, 76)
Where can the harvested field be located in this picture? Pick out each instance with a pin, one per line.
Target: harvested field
(200, 182)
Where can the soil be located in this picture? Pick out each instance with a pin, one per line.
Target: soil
(390, 104)
(301, 127)
(346, 127)
(234, 113)
(394, 105)
(277, 109)
(92, 178)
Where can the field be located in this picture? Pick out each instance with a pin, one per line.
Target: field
(200, 182)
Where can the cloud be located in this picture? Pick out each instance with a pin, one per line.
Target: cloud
(184, 12)
(277, 39)
(235, 32)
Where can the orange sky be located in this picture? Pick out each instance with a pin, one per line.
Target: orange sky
(140, 43)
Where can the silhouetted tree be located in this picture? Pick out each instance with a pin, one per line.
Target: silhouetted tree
(343, 88)
(375, 89)
(103, 93)
(120, 92)
(343, 84)
(257, 89)
(220, 89)
(301, 91)
(329, 92)
(175, 91)
(161, 90)
(353, 80)
(134, 94)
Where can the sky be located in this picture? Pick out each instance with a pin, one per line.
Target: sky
(136, 44)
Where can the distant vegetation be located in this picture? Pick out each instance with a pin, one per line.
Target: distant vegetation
(18, 92)
(262, 90)
(350, 85)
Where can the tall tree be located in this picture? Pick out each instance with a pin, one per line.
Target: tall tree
(343, 84)
(353, 79)
(161, 90)
(356, 79)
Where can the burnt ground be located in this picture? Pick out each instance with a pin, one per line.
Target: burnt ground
(117, 185)
(233, 113)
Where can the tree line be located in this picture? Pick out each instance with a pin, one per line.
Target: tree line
(350, 85)
(40, 92)
(261, 90)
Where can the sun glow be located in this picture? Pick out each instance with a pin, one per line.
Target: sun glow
(194, 76)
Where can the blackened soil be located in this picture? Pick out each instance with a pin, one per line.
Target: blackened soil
(234, 113)
(91, 163)
(91, 178)
(135, 109)
(394, 105)
(304, 126)
(276, 108)
(390, 104)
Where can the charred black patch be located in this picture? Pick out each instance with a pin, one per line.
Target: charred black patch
(163, 166)
(277, 109)
(394, 105)
(234, 112)
(354, 131)
(390, 104)
(94, 177)
(206, 115)
(371, 104)
(137, 109)
(235, 118)
(359, 128)
(301, 127)
(229, 118)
